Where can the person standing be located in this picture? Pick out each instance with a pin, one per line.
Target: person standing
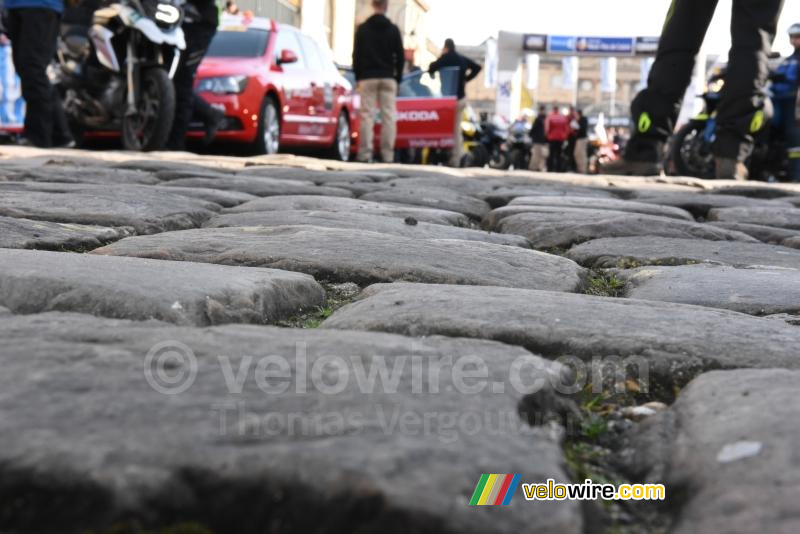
(557, 131)
(199, 26)
(581, 143)
(33, 27)
(539, 153)
(467, 71)
(785, 98)
(572, 116)
(740, 114)
(378, 60)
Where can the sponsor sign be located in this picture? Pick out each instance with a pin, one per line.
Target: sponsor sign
(590, 46)
(646, 46)
(534, 42)
(418, 116)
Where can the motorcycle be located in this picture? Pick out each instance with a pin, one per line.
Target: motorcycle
(690, 152)
(520, 144)
(119, 77)
(485, 143)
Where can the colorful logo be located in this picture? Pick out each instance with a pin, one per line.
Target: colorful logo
(495, 490)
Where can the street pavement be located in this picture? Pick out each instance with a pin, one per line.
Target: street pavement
(285, 344)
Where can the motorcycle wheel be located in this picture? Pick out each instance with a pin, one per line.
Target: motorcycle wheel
(477, 156)
(690, 153)
(518, 160)
(499, 160)
(148, 128)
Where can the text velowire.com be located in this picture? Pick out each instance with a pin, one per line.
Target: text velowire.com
(171, 368)
(499, 490)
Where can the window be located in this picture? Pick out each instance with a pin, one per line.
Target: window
(249, 43)
(311, 53)
(418, 84)
(287, 40)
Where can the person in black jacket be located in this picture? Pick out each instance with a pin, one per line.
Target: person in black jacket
(199, 26)
(539, 152)
(467, 71)
(378, 60)
(740, 114)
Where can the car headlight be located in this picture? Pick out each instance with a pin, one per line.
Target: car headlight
(222, 85)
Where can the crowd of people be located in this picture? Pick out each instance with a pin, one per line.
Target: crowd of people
(560, 141)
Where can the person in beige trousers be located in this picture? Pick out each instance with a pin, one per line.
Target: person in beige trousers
(378, 60)
(581, 128)
(539, 151)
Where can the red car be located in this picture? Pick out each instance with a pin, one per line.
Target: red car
(278, 88)
(426, 109)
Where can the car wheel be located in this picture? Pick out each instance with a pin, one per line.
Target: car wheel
(268, 137)
(340, 150)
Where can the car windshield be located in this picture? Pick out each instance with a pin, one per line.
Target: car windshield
(419, 84)
(244, 43)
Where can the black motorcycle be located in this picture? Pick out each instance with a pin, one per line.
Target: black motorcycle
(119, 76)
(690, 151)
(485, 143)
(520, 144)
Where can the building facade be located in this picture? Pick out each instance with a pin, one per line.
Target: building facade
(551, 90)
(331, 22)
(286, 11)
(411, 16)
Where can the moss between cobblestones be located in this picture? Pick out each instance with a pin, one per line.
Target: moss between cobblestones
(336, 296)
(592, 453)
(605, 284)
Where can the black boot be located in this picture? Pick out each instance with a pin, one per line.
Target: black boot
(643, 157)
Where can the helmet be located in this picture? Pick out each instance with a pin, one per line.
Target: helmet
(794, 29)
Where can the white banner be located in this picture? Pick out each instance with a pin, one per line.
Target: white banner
(505, 90)
(532, 67)
(490, 65)
(569, 68)
(608, 75)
